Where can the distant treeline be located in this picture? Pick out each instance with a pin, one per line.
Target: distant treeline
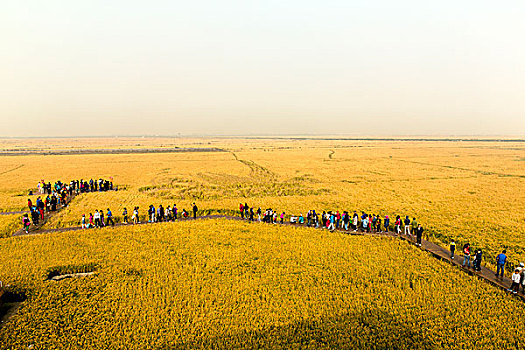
(385, 139)
(107, 151)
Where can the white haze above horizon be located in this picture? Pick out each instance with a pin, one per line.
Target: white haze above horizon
(366, 68)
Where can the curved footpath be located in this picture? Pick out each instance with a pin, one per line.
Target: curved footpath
(437, 251)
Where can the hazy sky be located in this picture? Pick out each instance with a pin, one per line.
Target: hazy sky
(257, 67)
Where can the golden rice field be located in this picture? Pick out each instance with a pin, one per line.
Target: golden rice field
(469, 191)
(225, 284)
(9, 224)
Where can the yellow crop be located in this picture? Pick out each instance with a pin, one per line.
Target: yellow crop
(467, 191)
(9, 224)
(225, 284)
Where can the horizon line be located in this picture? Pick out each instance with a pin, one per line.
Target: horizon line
(414, 137)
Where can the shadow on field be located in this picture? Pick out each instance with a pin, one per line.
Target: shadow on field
(9, 303)
(373, 330)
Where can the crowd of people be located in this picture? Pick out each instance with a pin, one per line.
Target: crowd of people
(52, 197)
(76, 186)
(373, 223)
(56, 196)
(159, 214)
(333, 220)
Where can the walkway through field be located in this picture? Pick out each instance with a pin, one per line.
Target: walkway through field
(432, 248)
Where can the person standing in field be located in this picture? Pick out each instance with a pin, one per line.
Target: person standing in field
(522, 277)
(125, 215)
(501, 259)
(419, 234)
(477, 260)
(378, 224)
(259, 212)
(101, 217)
(195, 209)
(407, 226)
(331, 224)
(41, 209)
(387, 223)
(516, 279)
(241, 209)
(151, 213)
(246, 210)
(103, 222)
(365, 223)
(452, 249)
(282, 218)
(398, 224)
(136, 215)
(34, 216)
(168, 214)
(466, 255)
(175, 211)
(414, 225)
(355, 220)
(160, 213)
(109, 217)
(96, 216)
(26, 222)
(83, 221)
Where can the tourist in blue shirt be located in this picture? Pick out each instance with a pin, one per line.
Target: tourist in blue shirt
(331, 226)
(500, 261)
(109, 218)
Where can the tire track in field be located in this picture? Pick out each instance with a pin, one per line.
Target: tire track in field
(482, 172)
(15, 168)
(410, 180)
(255, 169)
